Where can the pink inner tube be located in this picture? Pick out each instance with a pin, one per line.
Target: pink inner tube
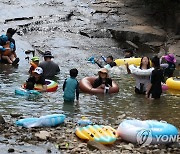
(86, 86)
(164, 87)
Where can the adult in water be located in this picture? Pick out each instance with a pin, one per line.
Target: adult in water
(103, 81)
(50, 68)
(154, 89)
(141, 81)
(109, 63)
(7, 51)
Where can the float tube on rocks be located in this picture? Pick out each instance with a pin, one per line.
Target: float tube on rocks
(98, 133)
(44, 121)
(86, 83)
(147, 132)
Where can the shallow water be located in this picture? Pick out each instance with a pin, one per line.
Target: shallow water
(47, 31)
(102, 108)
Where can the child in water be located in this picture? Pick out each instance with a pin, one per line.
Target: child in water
(154, 89)
(36, 78)
(103, 81)
(71, 86)
(34, 64)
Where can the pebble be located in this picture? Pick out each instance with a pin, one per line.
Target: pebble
(15, 115)
(10, 150)
(2, 121)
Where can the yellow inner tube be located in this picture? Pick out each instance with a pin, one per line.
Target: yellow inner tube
(135, 61)
(173, 83)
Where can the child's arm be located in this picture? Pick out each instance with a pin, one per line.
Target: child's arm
(77, 91)
(64, 84)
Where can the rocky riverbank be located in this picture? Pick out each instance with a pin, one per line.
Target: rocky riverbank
(62, 139)
(76, 30)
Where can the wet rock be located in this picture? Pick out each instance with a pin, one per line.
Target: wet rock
(96, 33)
(156, 151)
(49, 151)
(141, 33)
(95, 145)
(43, 135)
(75, 151)
(10, 150)
(174, 145)
(15, 115)
(82, 145)
(2, 121)
(127, 147)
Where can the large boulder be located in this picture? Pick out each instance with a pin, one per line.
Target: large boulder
(139, 33)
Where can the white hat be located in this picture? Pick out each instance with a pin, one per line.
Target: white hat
(38, 70)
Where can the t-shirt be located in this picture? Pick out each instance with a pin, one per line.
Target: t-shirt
(71, 86)
(33, 81)
(99, 81)
(50, 69)
(156, 78)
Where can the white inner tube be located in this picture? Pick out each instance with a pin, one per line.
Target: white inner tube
(137, 71)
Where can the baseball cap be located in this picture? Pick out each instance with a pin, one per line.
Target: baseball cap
(35, 59)
(38, 70)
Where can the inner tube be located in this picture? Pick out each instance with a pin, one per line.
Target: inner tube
(86, 83)
(51, 86)
(147, 132)
(43, 121)
(173, 83)
(24, 92)
(134, 61)
(137, 71)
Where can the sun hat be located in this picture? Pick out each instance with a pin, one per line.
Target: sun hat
(170, 58)
(103, 70)
(38, 70)
(35, 59)
(48, 54)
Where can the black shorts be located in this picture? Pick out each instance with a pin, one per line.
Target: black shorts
(137, 91)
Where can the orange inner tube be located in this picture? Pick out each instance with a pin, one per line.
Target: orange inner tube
(86, 83)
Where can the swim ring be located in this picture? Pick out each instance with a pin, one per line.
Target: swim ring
(147, 132)
(86, 83)
(24, 92)
(137, 71)
(98, 133)
(43, 121)
(51, 86)
(134, 61)
(173, 83)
